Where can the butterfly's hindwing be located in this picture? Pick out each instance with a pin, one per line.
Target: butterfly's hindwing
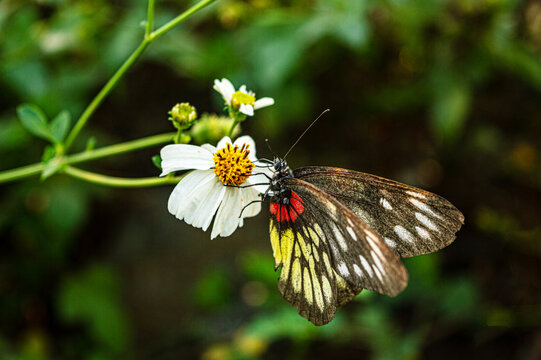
(306, 280)
(410, 220)
(322, 241)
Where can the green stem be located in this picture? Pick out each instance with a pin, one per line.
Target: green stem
(21, 173)
(113, 181)
(171, 24)
(120, 148)
(149, 37)
(178, 136)
(150, 18)
(36, 169)
(103, 93)
(235, 122)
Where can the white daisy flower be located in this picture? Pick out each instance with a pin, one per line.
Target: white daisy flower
(218, 184)
(242, 100)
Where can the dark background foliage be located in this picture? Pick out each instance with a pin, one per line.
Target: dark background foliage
(439, 94)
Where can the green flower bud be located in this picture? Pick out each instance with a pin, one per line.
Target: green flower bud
(183, 115)
(211, 128)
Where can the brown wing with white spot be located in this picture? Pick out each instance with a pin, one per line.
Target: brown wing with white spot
(411, 221)
(328, 255)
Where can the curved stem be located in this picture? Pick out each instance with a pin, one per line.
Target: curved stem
(103, 93)
(150, 18)
(113, 181)
(149, 37)
(171, 24)
(120, 148)
(235, 122)
(21, 173)
(36, 169)
(178, 136)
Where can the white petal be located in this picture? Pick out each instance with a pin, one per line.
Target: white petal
(218, 87)
(184, 157)
(225, 88)
(247, 109)
(248, 141)
(250, 195)
(227, 218)
(202, 215)
(189, 190)
(209, 147)
(243, 89)
(261, 103)
(222, 143)
(257, 177)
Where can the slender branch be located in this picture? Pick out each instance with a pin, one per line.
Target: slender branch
(128, 63)
(119, 181)
(150, 18)
(171, 24)
(178, 137)
(36, 169)
(235, 122)
(103, 93)
(120, 148)
(21, 173)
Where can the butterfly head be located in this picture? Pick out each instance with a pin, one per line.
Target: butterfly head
(281, 169)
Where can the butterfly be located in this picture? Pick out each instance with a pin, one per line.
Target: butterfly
(335, 232)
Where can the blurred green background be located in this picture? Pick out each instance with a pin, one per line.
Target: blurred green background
(440, 94)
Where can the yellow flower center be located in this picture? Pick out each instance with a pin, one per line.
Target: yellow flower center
(231, 164)
(240, 98)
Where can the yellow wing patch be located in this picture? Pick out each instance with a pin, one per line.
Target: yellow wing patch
(286, 244)
(307, 286)
(315, 234)
(306, 251)
(327, 290)
(296, 276)
(275, 242)
(327, 263)
(307, 279)
(317, 287)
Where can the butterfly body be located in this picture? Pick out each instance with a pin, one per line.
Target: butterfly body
(335, 232)
(286, 205)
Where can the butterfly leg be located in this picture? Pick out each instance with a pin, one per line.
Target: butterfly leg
(250, 203)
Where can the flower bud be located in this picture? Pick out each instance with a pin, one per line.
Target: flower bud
(210, 128)
(183, 115)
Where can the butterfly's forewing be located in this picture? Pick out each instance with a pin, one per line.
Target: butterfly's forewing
(328, 255)
(410, 220)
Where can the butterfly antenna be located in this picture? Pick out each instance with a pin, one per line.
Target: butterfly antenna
(268, 145)
(305, 131)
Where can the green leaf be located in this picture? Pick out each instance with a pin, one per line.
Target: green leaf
(185, 138)
(343, 19)
(450, 107)
(60, 125)
(257, 266)
(459, 300)
(90, 144)
(48, 153)
(91, 298)
(212, 290)
(51, 168)
(12, 134)
(35, 121)
(157, 161)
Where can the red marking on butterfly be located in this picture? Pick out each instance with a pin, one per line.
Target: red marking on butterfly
(288, 212)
